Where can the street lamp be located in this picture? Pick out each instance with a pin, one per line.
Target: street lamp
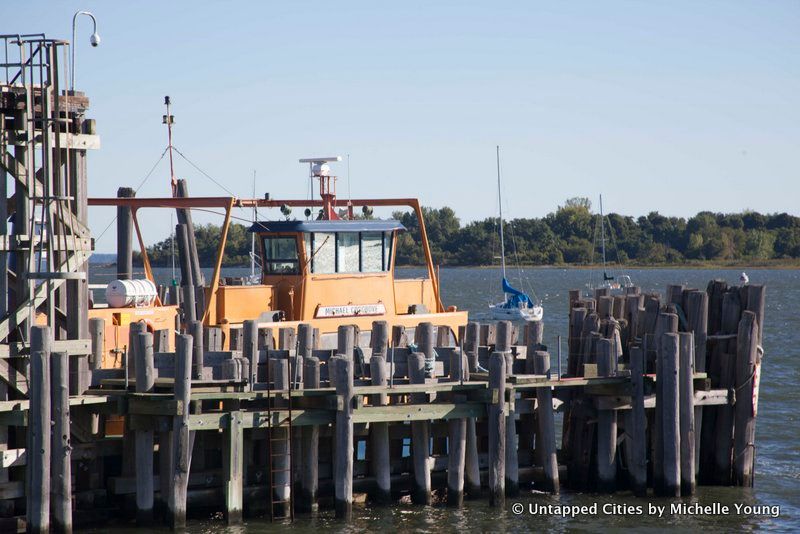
(94, 40)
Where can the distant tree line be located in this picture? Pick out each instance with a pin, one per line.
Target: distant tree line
(570, 235)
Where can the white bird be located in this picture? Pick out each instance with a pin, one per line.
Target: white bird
(744, 279)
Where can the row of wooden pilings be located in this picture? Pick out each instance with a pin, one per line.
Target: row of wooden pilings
(466, 438)
(654, 434)
(661, 346)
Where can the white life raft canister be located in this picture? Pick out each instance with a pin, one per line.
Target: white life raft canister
(131, 293)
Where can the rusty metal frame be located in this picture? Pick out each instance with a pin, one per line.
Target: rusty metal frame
(228, 203)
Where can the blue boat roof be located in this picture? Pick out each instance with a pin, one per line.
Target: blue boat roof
(327, 226)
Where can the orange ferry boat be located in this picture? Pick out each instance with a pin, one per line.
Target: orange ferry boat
(335, 269)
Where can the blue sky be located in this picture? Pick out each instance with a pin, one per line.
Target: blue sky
(668, 106)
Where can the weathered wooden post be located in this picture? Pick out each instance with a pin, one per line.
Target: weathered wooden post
(37, 467)
(198, 354)
(420, 434)
(125, 236)
(606, 424)
(471, 461)
(343, 461)
(97, 329)
(346, 341)
(497, 429)
(723, 365)
(380, 461)
(503, 337)
(187, 282)
(181, 435)
(638, 431)
(534, 334)
(546, 428)
(747, 362)
(671, 447)
(233, 466)
(250, 351)
(61, 448)
(457, 437)
(309, 472)
(280, 461)
(665, 323)
(512, 458)
(145, 380)
(686, 392)
(379, 341)
(697, 317)
(471, 344)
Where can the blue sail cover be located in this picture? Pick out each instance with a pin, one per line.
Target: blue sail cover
(514, 297)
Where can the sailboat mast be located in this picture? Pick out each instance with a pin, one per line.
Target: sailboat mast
(500, 201)
(603, 235)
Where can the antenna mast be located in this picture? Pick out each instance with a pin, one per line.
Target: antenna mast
(168, 119)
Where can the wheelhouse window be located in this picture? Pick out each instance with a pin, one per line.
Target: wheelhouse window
(348, 252)
(280, 255)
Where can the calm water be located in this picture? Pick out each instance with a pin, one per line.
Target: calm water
(777, 435)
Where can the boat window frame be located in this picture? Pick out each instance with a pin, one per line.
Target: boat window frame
(265, 269)
(387, 249)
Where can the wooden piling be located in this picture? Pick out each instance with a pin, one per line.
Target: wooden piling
(198, 354)
(420, 433)
(61, 453)
(125, 236)
(233, 467)
(380, 462)
(250, 351)
(309, 470)
(512, 443)
(379, 340)
(145, 380)
(503, 339)
(279, 448)
(546, 432)
(497, 429)
(637, 432)
(37, 467)
(181, 436)
(471, 343)
(670, 354)
(534, 334)
(747, 367)
(472, 474)
(687, 411)
(343, 464)
(606, 424)
(697, 318)
(457, 438)
(345, 341)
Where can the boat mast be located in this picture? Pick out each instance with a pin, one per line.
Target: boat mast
(253, 234)
(500, 201)
(603, 236)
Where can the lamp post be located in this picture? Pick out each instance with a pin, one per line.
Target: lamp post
(94, 40)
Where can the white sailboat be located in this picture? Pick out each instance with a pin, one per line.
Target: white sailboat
(609, 282)
(517, 305)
